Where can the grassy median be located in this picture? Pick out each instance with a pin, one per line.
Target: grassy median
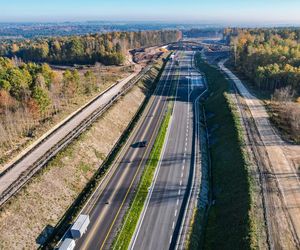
(131, 219)
(229, 223)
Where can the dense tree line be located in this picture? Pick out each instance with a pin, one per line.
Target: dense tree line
(270, 57)
(108, 48)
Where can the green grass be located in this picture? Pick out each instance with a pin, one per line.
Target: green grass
(131, 219)
(229, 224)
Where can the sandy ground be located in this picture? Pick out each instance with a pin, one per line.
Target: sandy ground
(278, 162)
(40, 205)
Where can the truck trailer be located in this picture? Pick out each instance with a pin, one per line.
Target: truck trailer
(80, 226)
(68, 244)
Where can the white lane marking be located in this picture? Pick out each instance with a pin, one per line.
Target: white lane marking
(173, 225)
(186, 139)
(181, 174)
(182, 167)
(179, 192)
(170, 239)
(175, 213)
(183, 161)
(180, 182)
(185, 148)
(177, 202)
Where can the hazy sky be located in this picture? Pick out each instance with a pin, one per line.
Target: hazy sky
(212, 11)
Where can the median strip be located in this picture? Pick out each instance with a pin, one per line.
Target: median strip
(124, 236)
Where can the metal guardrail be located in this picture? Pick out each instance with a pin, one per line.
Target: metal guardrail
(27, 174)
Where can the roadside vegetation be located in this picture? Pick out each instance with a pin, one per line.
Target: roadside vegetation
(269, 59)
(230, 222)
(34, 97)
(57, 193)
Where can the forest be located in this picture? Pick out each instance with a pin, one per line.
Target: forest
(269, 57)
(108, 48)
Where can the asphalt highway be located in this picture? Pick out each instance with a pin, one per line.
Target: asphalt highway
(161, 219)
(114, 196)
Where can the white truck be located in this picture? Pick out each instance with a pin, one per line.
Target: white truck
(80, 226)
(68, 244)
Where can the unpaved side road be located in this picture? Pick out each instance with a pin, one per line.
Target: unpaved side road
(277, 161)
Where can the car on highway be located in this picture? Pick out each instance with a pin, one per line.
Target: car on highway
(140, 144)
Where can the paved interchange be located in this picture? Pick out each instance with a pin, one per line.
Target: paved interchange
(165, 210)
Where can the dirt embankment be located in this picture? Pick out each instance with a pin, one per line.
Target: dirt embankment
(36, 209)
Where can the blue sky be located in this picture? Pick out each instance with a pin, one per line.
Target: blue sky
(212, 11)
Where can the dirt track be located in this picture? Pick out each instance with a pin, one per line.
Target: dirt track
(277, 162)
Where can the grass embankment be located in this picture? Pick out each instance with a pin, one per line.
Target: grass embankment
(229, 224)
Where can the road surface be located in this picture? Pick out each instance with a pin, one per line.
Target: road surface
(116, 192)
(162, 216)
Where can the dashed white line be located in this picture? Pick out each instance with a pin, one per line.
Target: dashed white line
(173, 225)
(182, 167)
(180, 182)
(170, 239)
(181, 174)
(175, 214)
(177, 202)
(179, 192)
